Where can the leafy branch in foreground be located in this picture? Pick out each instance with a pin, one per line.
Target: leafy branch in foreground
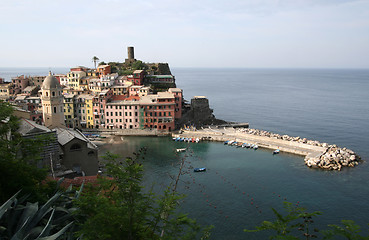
(349, 230)
(118, 208)
(285, 226)
(25, 220)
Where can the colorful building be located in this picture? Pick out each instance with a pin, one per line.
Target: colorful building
(178, 97)
(137, 77)
(103, 70)
(159, 111)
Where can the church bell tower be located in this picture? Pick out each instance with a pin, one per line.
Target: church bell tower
(52, 103)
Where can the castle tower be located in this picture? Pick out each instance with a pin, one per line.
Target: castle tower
(131, 55)
(52, 102)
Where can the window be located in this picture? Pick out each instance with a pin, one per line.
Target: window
(53, 94)
(91, 153)
(75, 147)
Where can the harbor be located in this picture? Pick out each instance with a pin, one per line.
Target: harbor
(317, 155)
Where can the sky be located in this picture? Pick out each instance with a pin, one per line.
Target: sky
(186, 33)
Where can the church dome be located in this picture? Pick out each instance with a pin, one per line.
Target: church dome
(50, 82)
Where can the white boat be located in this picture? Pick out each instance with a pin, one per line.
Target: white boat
(276, 151)
(197, 140)
(181, 149)
(256, 147)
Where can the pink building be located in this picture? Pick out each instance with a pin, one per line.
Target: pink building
(99, 106)
(178, 95)
(159, 111)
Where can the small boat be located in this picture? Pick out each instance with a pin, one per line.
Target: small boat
(248, 145)
(234, 143)
(226, 142)
(197, 140)
(239, 144)
(230, 142)
(276, 151)
(181, 139)
(256, 147)
(181, 149)
(199, 169)
(174, 139)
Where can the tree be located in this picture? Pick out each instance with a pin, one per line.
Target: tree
(95, 60)
(118, 208)
(19, 171)
(296, 223)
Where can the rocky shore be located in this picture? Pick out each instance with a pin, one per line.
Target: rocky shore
(334, 158)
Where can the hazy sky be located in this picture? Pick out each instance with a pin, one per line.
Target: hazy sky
(186, 33)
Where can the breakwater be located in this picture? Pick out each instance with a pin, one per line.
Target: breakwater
(317, 155)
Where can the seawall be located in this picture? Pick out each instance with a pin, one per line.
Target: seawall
(317, 155)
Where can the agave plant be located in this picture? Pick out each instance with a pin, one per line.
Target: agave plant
(20, 220)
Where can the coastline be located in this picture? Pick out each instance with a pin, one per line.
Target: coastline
(317, 155)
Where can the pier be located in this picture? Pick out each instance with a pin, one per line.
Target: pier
(225, 134)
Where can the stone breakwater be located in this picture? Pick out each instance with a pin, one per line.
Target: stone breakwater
(317, 155)
(333, 158)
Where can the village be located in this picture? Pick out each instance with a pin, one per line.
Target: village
(100, 99)
(63, 108)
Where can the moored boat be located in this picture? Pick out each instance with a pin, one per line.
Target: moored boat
(276, 151)
(199, 169)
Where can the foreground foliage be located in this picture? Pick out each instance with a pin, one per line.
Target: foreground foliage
(297, 223)
(18, 161)
(25, 220)
(118, 208)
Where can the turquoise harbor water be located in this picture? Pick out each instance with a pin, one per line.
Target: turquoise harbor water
(326, 105)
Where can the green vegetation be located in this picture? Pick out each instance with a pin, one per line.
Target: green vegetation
(285, 226)
(127, 69)
(20, 220)
(118, 208)
(95, 60)
(18, 161)
(298, 224)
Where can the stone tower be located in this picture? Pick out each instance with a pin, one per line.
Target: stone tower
(52, 103)
(131, 55)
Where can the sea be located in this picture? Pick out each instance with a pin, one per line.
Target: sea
(242, 186)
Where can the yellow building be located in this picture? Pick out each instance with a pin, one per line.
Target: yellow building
(74, 79)
(89, 111)
(6, 90)
(69, 110)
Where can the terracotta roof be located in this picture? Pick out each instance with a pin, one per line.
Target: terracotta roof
(135, 97)
(119, 97)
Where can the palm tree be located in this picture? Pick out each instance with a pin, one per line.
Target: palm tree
(95, 59)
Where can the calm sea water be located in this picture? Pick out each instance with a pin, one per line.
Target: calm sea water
(241, 186)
